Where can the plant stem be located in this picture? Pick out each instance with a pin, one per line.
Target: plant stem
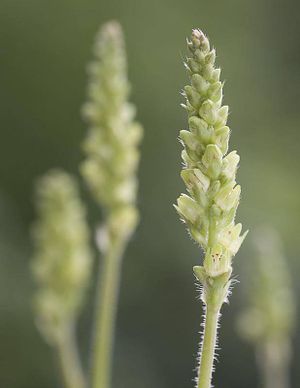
(69, 361)
(273, 359)
(208, 346)
(106, 308)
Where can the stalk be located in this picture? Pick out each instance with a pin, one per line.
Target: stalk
(274, 365)
(105, 320)
(68, 357)
(208, 347)
(213, 196)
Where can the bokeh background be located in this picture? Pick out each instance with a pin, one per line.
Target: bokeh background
(45, 46)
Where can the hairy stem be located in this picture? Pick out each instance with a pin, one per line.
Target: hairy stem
(208, 347)
(106, 308)
(69, 360)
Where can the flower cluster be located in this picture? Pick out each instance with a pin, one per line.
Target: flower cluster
(208, 173)
(111, 145)
(271, 314)
(62, 260)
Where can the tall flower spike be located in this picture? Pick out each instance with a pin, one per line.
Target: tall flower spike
(109, 170)
(269, 321)
(61, 267)
(209, 175)
(111, 145)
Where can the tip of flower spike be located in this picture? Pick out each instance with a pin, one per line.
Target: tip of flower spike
(197, 33)
(198, 41)
(109, 34)
(112, 28)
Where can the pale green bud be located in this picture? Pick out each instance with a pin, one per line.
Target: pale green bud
(193, 96)
(222, 116)
(197, 184)
(230, 238)
(212, 160)
(209, 112)
(216, 75)
(188, 209)
(208, 71)
(210, 58)
(195, 177)
(215, 92)
(217, 261)
(188, 139)
(201, 129)
(199, 83)
(193, 65)
(228, 197)
(230, 164)
(214, 188)
(222, 139)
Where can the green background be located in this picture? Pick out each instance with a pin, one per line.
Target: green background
(44, 48)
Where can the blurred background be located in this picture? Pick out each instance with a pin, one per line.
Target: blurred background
(45, 46)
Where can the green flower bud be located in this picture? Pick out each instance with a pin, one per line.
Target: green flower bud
(215, 92)
(188, 139)
(201, 129)
(209, 112)
(217, 261)
(228, 197)
(212, 160)
(222, 139)
(230, 238)
(188, 209)
(199, 83)
(210, 58)
(197, 184)
(230, 164)
(222, 116)
(192, 96)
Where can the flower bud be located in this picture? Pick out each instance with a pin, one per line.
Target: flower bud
(222, 116)
(188, 209)
(230, 238)
(222, 139)
(228, 197)
(210, 57)
(230, 164)
(216, 75)
(199, 40)
(192, 96)
(188, 139)
(199, 83)
(217, 261)
(208, 112)
(212, 160)
(195, 123)
(215, 92)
